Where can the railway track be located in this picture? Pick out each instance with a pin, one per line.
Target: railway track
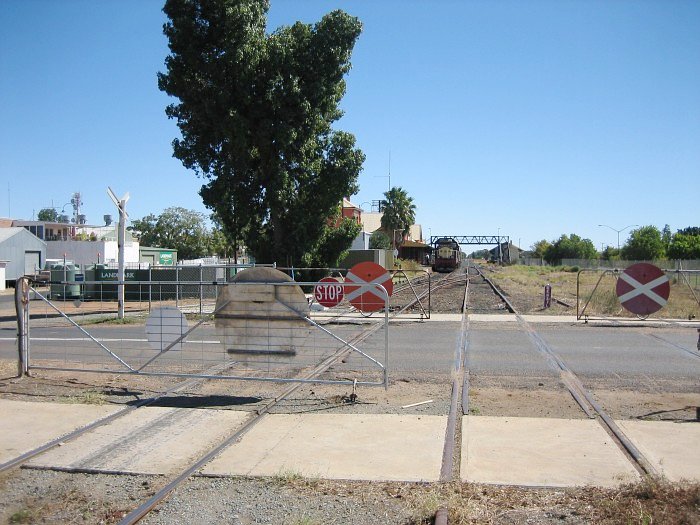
(583, 396)
(473, 297)
(476, 280)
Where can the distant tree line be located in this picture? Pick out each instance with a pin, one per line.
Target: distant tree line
(645, 243)
(183, 230)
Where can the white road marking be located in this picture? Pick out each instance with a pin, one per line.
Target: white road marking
(106, 340)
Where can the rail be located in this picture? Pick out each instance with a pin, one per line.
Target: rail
(581, 395)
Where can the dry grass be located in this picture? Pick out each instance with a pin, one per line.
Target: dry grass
(647, 502)
(86, 397)
(69, 506)
(525, 285)
(644, 503)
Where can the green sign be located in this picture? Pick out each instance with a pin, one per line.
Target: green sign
(166, 258)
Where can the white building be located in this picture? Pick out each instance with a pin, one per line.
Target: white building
(24, 252)
(103, 249)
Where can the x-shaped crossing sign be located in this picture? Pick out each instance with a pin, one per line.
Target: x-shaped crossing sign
(361, 286)
(643, 289)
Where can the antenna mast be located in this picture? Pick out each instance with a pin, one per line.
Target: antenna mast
(77, 202)
(389, 170)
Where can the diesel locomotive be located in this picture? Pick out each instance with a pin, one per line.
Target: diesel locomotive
(446, 255)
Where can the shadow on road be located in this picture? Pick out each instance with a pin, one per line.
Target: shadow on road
(201, 401)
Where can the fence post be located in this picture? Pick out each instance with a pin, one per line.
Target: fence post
(201, 290)
(150, 287)
(22, 310)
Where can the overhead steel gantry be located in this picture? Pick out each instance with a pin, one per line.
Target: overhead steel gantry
(473, 239)
(498, 240)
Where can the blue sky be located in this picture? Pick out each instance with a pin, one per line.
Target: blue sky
(527, 118)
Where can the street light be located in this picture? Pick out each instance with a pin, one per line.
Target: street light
(618, 231)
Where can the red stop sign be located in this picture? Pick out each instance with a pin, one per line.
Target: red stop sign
(643, 289)
(329, 295)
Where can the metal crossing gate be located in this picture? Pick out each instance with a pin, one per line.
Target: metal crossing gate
(256, 331)
(597, 295)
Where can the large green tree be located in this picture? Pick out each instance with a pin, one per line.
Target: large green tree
(176, 228)
(255, 113)
(666, 237)
(644, 244)
(399, 213)
(332, 246)
(610, 254)
(690, 230)
(685, 245)
(379, 241)
(48, 215)
(539, 249)
(570, 247)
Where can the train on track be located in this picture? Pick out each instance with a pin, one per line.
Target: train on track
(446, 255)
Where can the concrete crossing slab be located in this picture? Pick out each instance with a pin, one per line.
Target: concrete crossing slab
(671, 447)
(382, 447)
(350, 446)
(150, 440)
(541, 452)
(27, 425)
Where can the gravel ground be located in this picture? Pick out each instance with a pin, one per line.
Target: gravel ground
(34, 496)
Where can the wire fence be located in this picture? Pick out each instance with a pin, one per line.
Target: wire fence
(667, 264)
(597, 296)
(193, 289)
(202, 328)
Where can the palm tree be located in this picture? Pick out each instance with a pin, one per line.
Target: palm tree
(399, 212)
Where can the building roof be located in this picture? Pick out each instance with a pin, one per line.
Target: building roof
(371, 221)
(415, 232)
(6, 233)
(414, 244)
(348, 204)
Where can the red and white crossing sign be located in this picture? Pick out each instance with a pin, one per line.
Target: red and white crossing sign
(366, 296)
(643, 289)
(329, 295)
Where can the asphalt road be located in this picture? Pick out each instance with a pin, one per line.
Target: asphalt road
(498, 349)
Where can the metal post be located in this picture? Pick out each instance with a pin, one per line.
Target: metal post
(201, 289)
(150, 286)
(65, 278)
(498, 244)
(386, 340)
(177, 286)
(22, 310)
(121, 233)
(429, 285)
